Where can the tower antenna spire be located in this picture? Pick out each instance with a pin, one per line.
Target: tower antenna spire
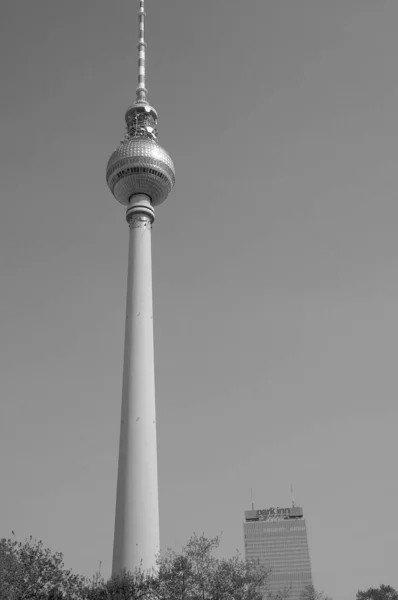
(293, 500)
(141, 91)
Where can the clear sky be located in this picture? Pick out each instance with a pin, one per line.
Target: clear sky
(275, 272)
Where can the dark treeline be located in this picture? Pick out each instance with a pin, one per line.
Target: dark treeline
(29, 571)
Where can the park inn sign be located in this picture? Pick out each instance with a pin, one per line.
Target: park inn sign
(265, 514)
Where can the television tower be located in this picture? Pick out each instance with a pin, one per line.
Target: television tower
(140, 174)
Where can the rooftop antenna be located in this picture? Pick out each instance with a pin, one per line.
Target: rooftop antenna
(141, 89)
(251, 496)
(293, 501)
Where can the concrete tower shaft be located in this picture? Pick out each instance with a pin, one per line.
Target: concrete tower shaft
(137, 510)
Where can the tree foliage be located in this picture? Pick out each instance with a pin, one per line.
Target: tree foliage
(28, 571)
(130, 586)
(310, 593)
(196, 574)
(384, 592)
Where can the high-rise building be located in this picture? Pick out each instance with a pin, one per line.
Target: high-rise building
(277, 537)
(140, 174)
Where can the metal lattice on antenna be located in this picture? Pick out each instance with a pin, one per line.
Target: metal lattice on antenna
(141, 89)
(141, 117)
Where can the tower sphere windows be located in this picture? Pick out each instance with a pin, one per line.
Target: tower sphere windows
(140, 166)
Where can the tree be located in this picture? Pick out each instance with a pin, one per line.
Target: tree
(282, 595)
(196, 574)
(28, 571)
(310, 593)
(129, 586)
(384, 592)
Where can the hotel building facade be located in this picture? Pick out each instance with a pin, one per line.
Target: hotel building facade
(277, 537)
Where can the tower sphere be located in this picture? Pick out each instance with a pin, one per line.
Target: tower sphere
(140, 166)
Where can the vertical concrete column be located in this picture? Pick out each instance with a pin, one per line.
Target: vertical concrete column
(136, 540)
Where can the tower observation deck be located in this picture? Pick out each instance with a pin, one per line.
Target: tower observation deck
(140, 175)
